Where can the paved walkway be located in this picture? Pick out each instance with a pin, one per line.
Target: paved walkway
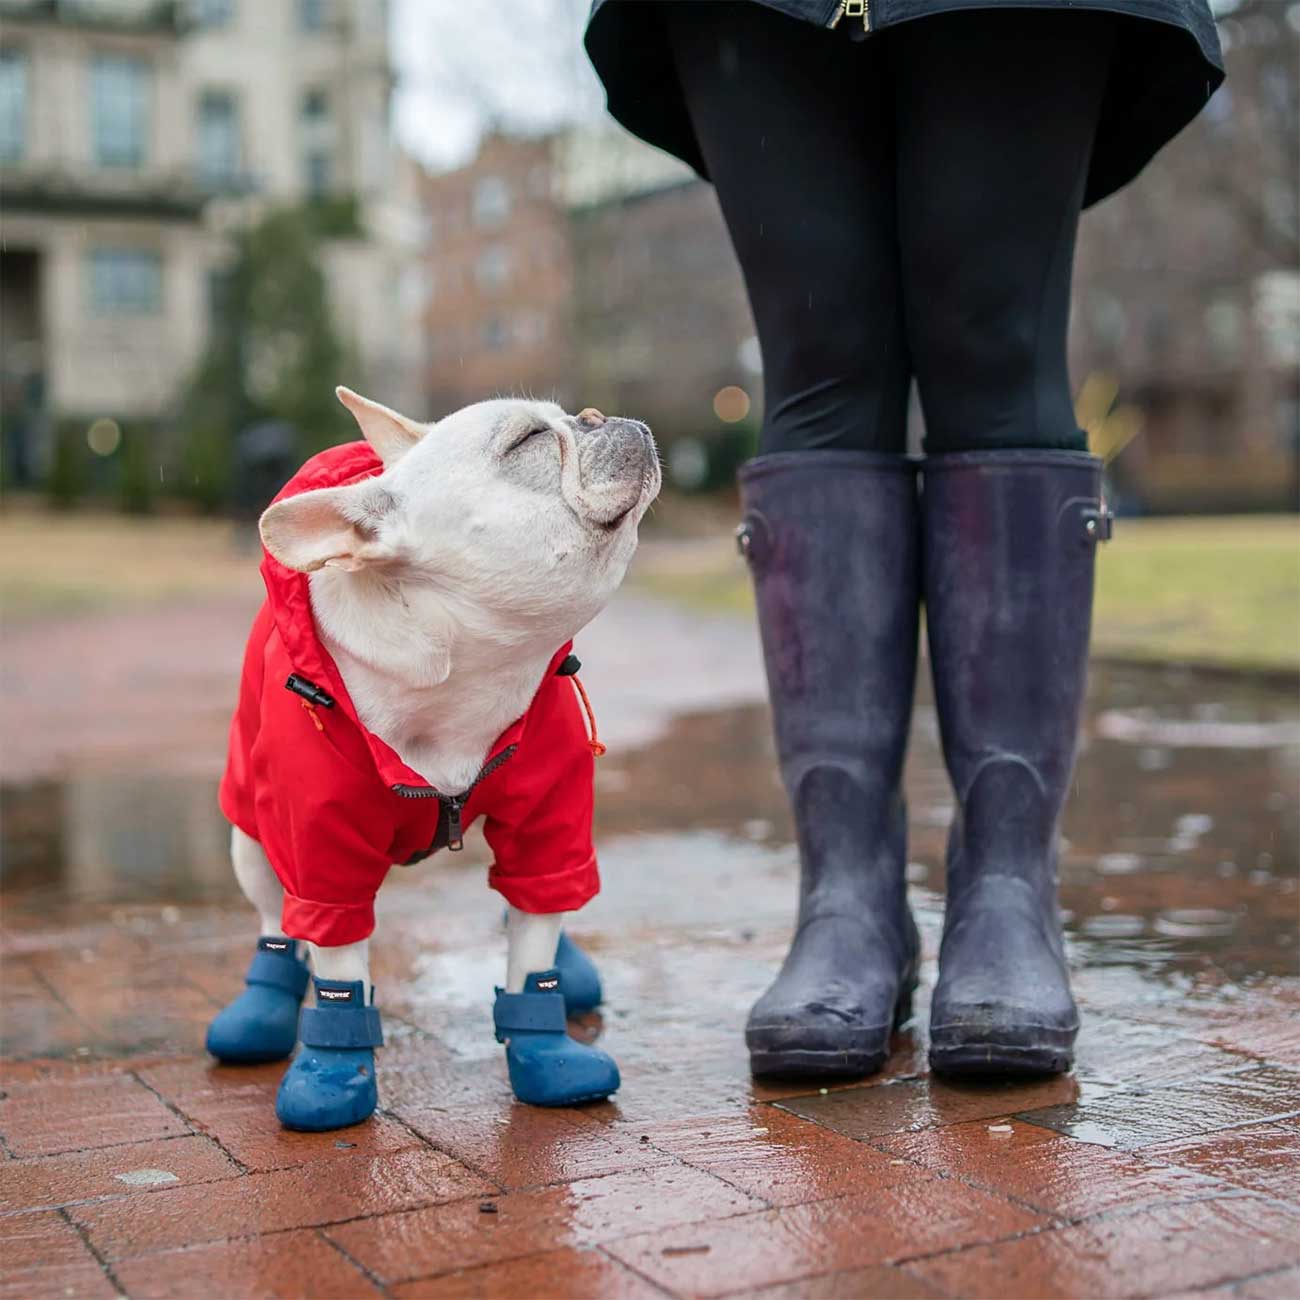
(1167, 1164)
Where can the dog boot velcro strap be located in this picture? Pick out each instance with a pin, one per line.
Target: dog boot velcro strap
(539, 1009)
(340, 1018)
(275, 964)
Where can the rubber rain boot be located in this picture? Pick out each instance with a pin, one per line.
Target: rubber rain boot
(1010, 541)
(832, 542)
(261, 1024)
(331, 1082)
(547, 1067)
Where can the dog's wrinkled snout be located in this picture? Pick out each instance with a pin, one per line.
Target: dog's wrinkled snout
(618, 464)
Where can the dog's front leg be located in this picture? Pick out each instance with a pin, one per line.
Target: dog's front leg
(347, 964)
(547, 1067)
(331, 1082)
(261, 1024)
(531, 941)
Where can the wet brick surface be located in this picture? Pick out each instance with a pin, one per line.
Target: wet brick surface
(1164, 1165)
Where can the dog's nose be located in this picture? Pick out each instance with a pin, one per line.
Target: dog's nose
(590, 417)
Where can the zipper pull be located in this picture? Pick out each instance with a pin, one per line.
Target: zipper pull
(455, 832)
(853, 9)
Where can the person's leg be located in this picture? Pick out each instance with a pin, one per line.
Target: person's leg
(794, 125)
(996, 117)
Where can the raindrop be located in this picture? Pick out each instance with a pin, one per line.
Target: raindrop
(146, 1177)
(1119, 864)
(1119, 925)
(1195, 923)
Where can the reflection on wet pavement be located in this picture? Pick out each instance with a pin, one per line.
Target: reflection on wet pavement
(124, 931)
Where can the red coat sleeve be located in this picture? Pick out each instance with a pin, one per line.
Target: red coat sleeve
(327, 825)
(539, 829)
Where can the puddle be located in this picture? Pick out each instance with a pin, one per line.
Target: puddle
(1180, 855)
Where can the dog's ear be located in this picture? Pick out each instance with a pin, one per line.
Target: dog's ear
(390, 434)
(337, 528)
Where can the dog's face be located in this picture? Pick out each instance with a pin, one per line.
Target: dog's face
(513, 513)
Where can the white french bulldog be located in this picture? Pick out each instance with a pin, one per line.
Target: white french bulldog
(444, 580)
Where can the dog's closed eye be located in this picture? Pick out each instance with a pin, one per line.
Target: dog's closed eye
(521, 439)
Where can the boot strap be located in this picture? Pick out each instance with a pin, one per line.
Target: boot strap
(538, 1012)
(278, 972)
(337, 1027)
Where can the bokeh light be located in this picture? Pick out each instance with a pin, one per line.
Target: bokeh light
(104, 436)
(731, 404)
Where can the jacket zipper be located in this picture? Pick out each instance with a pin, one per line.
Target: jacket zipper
(853, 9)
(455, 803)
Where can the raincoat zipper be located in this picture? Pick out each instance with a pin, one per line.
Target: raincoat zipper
(853, 9)
(453, 804)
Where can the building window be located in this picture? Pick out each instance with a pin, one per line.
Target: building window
(491, 201)
(218, 137)
(317, 142)
(13, 104)
(312, 14)
(125, 281)
(214, 13)
(119, 108)
(493, 267)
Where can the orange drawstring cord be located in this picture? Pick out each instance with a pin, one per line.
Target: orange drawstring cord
(596, 747)
(311, 713)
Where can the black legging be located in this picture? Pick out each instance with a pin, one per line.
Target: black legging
(902, 206)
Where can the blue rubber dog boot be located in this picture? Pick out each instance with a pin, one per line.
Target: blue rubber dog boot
(579, 978)
(261, 1024)
(547, 1067)
(331, 1082)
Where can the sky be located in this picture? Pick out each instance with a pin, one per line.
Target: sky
(462, 65)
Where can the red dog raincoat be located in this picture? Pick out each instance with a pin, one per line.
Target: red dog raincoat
(333, 806)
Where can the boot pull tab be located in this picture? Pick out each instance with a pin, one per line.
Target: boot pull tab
(752, 537)
(1088, 520)
(1099, 522)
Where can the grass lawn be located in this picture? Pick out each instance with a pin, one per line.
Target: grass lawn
(1221, 591)
(68, 563)
(1204, 591)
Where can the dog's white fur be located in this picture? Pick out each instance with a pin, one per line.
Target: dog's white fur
(443, 586)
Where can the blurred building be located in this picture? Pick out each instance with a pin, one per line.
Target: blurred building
(134, 137)
(105, 252)
(662, 322)
(1188, 290)
(589, 265)
(586, 266)
(498, 280)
